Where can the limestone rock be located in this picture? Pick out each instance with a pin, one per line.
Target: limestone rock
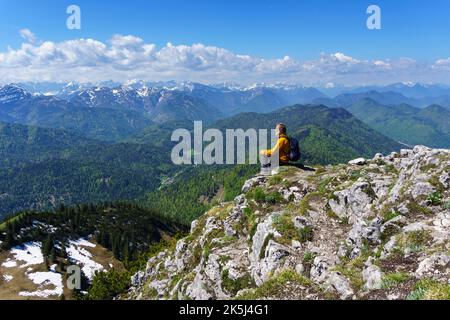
(340, 284)
(357, 162)
(258, 180)
(372, 276)
(430, 265)
(353, 202)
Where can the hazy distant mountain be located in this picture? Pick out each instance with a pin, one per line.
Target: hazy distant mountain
(195, 101)
(160, 104)
(441, 100)
(62, 88)
(298, 94)
(416, 94)
(229, 98)
(384, 97)
(103, 97)
(173, 105)
(259, 100)
(102, 112)
(348, 99)
(20, 106)
(232, 99)
(411, 90)
(42, 87)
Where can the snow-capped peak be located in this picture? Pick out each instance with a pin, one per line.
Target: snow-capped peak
(12, 92)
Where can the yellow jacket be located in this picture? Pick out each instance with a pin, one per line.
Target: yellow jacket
(282, 146)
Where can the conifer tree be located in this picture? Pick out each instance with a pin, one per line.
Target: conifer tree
(48, 245)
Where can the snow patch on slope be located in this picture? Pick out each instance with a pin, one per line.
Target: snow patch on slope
(9, 264)
(29, 252)
(44, 279)
(80, 255)
(7, 277)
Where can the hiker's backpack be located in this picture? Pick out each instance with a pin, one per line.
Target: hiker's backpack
(294, 154)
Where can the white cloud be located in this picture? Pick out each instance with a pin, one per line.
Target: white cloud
(27, 35)
(130, 57)
(442, 64)
(340, 57)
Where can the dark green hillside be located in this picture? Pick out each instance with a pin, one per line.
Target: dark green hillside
(429, 126)
(262, 100)
(23, 144)
(438, 115)
(326, 135)
(44, 167)
(40, 168)
(83, 172)
(103, 124)
(196, 189)
(159, 134)
(177, 106)
(94, 174)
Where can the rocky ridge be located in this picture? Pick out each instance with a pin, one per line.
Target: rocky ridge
(371, 229)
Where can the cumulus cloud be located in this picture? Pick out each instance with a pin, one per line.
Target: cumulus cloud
(127, 57)
(442, 64)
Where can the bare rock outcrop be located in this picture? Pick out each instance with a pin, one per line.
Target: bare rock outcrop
(371, 229)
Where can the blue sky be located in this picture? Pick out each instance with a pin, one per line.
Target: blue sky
(302, 30)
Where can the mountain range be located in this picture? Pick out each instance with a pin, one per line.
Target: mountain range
(45, 167)
(383, 97)
(224, 94)
(86, 176)
(113, 112)
(86, 143)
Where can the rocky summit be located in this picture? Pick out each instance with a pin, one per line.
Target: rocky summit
(370, 229)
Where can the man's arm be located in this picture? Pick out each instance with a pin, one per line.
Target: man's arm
(268, 153)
